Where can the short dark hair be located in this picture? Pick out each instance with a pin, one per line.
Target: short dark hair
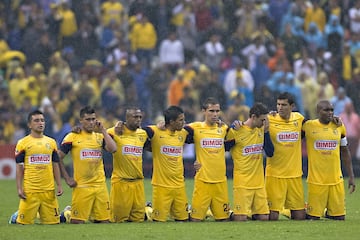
(209, 101)
(286, 96)
(86, 110)
(259, 109)
(172, 113)
(35, 112)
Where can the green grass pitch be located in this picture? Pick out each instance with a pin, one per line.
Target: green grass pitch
(282, 229)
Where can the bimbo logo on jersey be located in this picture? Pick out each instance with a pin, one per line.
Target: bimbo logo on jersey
(90, 153)
(212, 143)
(252, 149)
(132, 150)
(325, 145)
(171, 151)
(39, 159)
(287, 136)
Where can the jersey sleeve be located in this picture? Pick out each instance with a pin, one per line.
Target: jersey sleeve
(19, 152)
(66, 144)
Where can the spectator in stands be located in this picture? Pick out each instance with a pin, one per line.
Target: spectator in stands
(305, 65)
(326, 90)
(212, 52)
(127, 81)
(351, 121)
(140, 74)
(309, 89)
(68, 26)
(248, 17)
(334, 35)
(237, 76)
(254, 51)
(277, 10)
(213, 88)
(339, 101)
(171, 52)
(353, 90)
(291, 43)
(112, 10)
(316, 14)
(354, 15)
(157, 84)
(176, 89)
(188, 36)
(143, 39)
(314, 39)
(160, 14)
(237, 109)
(203, 17)
(346, 66)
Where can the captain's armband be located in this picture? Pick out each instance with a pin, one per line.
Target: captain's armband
(343, 142)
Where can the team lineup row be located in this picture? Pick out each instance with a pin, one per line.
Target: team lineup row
(278, 135)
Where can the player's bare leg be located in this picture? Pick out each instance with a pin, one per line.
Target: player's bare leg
(298, 214)
(239, 217)
(274, 215)
(260, 217)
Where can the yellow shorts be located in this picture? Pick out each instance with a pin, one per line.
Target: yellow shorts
(169, 202)
(90, 203)
(331, 197)
(45, 203)
(213, 195)
(250, 201)
(127, 201)
(285, 193)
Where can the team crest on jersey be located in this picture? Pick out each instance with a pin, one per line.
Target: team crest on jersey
(141, 139)
(180, 138)
(48, 146)
(296, 123)
(219, 130)
(335, 131)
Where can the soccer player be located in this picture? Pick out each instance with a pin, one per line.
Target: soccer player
(37, 164)
(127, 195)
(247, 145)
(210, 186)
(90, 195)
(169, 194)
(283, 174)
(326, 143)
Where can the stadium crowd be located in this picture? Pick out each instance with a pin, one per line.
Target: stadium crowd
(60, 55)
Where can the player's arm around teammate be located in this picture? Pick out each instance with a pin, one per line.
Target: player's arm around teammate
(90, 197)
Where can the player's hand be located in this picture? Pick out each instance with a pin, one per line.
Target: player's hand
(273, 113)
(76, 129)
(60, 190)
(161, 125)
(71, 182)
(21, 194)
(351, 185)
(119, 128)
(220, 122)
(99, 127)
(237, 124)
(337, 121)
(266, 125)
(197, 166)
